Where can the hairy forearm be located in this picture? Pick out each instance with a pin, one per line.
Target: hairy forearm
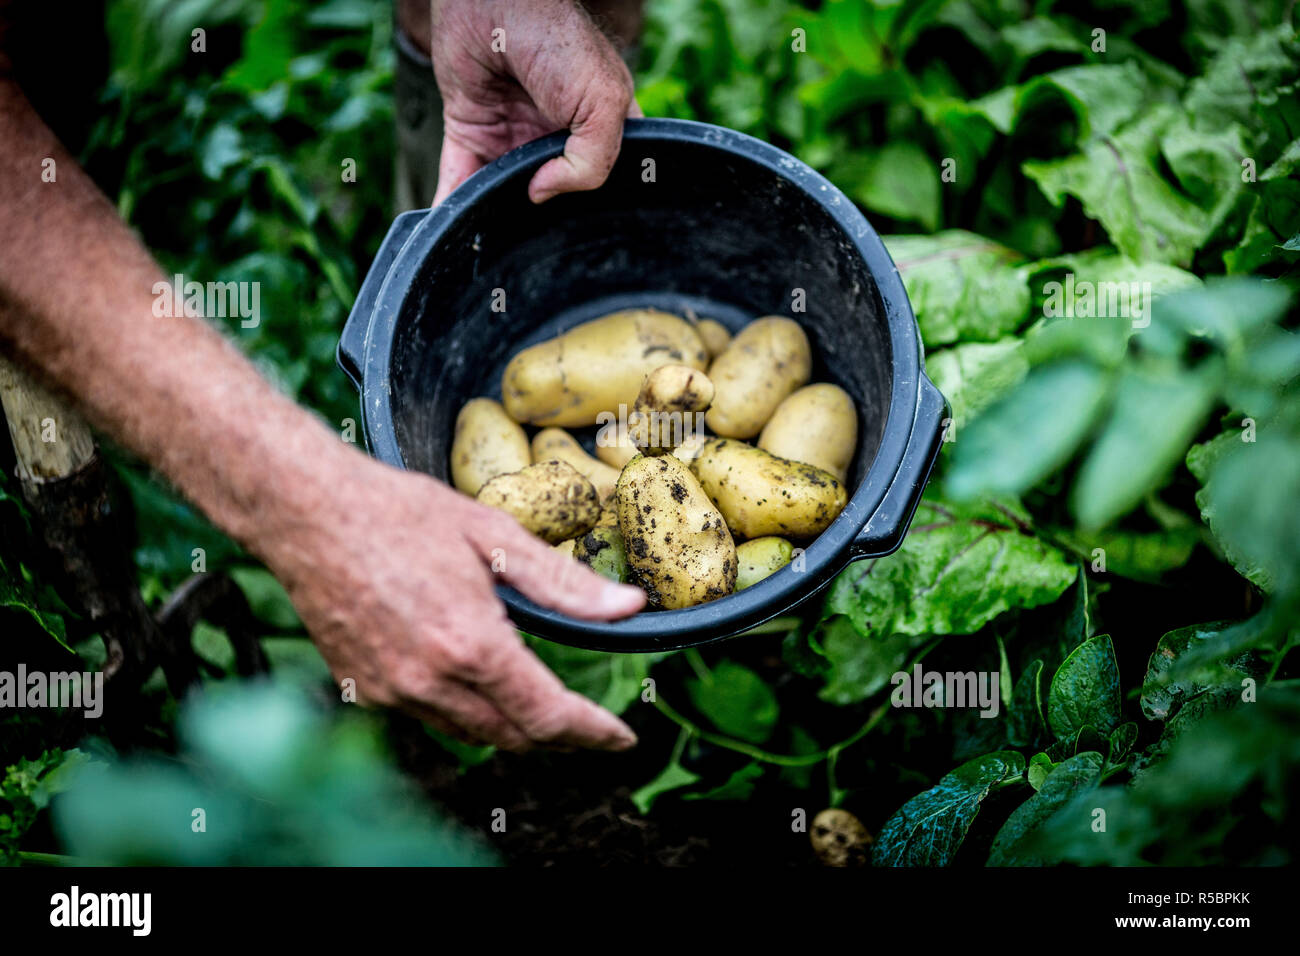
(76, 306)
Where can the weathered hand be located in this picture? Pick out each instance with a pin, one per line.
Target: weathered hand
(394, 579)
(510, 72)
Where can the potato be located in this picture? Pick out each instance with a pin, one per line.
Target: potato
(760, 494)
(757, 559)
(557, 444)
(487, 443)
(689, 450)
(669, 408)
(565, 547)
(839, 838)
(551, 499)
(764, 363)
(818, 426)
(678, 547)
(596, 366)
(601, 548)
(714, 335)
(613, 444)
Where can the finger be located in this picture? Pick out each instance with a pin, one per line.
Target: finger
(455, 165)
(469, 712)
(521, 687)
(550, 578)
(594, 139)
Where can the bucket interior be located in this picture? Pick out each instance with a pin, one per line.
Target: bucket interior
(711, 232)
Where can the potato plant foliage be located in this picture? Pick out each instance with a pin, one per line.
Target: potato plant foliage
(1113, 529)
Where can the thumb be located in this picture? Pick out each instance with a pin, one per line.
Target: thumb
(556, 580)
(595, 136)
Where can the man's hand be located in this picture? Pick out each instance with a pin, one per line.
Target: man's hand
(511, 72)
(394, 578)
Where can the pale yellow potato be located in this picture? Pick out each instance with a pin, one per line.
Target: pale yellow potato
(614, 446)
(689, 450)
(487, 443)
(566, 547)
(759, 558)
(766, 361)
(677, 546)
(596, 366)
(760, 494)
(551, 499)
(556, 443)
(714, 335)
(818, 426)
(669, 408)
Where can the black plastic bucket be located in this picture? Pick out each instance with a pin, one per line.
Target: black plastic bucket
(693, 217)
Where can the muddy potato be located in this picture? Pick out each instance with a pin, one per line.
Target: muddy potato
(760, 494)
(714, 335)
(551, 499)
(601, 548)
(816, 425)
(668, 408)
(596, 366)
(678, 547)
(839, 838)
(757, 559)
(557, 444)
(766, 361)
(487, 442)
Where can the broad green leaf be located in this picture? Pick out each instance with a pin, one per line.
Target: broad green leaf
(1155, 415)
(929, 829)
(1085, 690)
(1081, 773)
(1170, 682)
(900, 180)
(963, 287)
(736, 700)
(1118, 181)
(1028, 433)
(1134, 554)
(973, 375)
(673, 777)
(1122, 739)
(977, 561)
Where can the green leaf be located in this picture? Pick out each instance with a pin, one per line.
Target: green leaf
(1085, 690)
(1187, 663)
(1040, 765)
(1118, 181)
(736, 700)
(673, 777)
(739, 786)
(963, 287)
(1027, 722)
(1079, 774)
(929, 829)
(1030, 432)
(973, 375)
(1122, 740)
(976, 560)
(1156, 414)
(267, 598)
(612, 680)
(899, 180)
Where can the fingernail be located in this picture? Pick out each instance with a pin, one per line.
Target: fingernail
(625, 740)
(620, 598)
